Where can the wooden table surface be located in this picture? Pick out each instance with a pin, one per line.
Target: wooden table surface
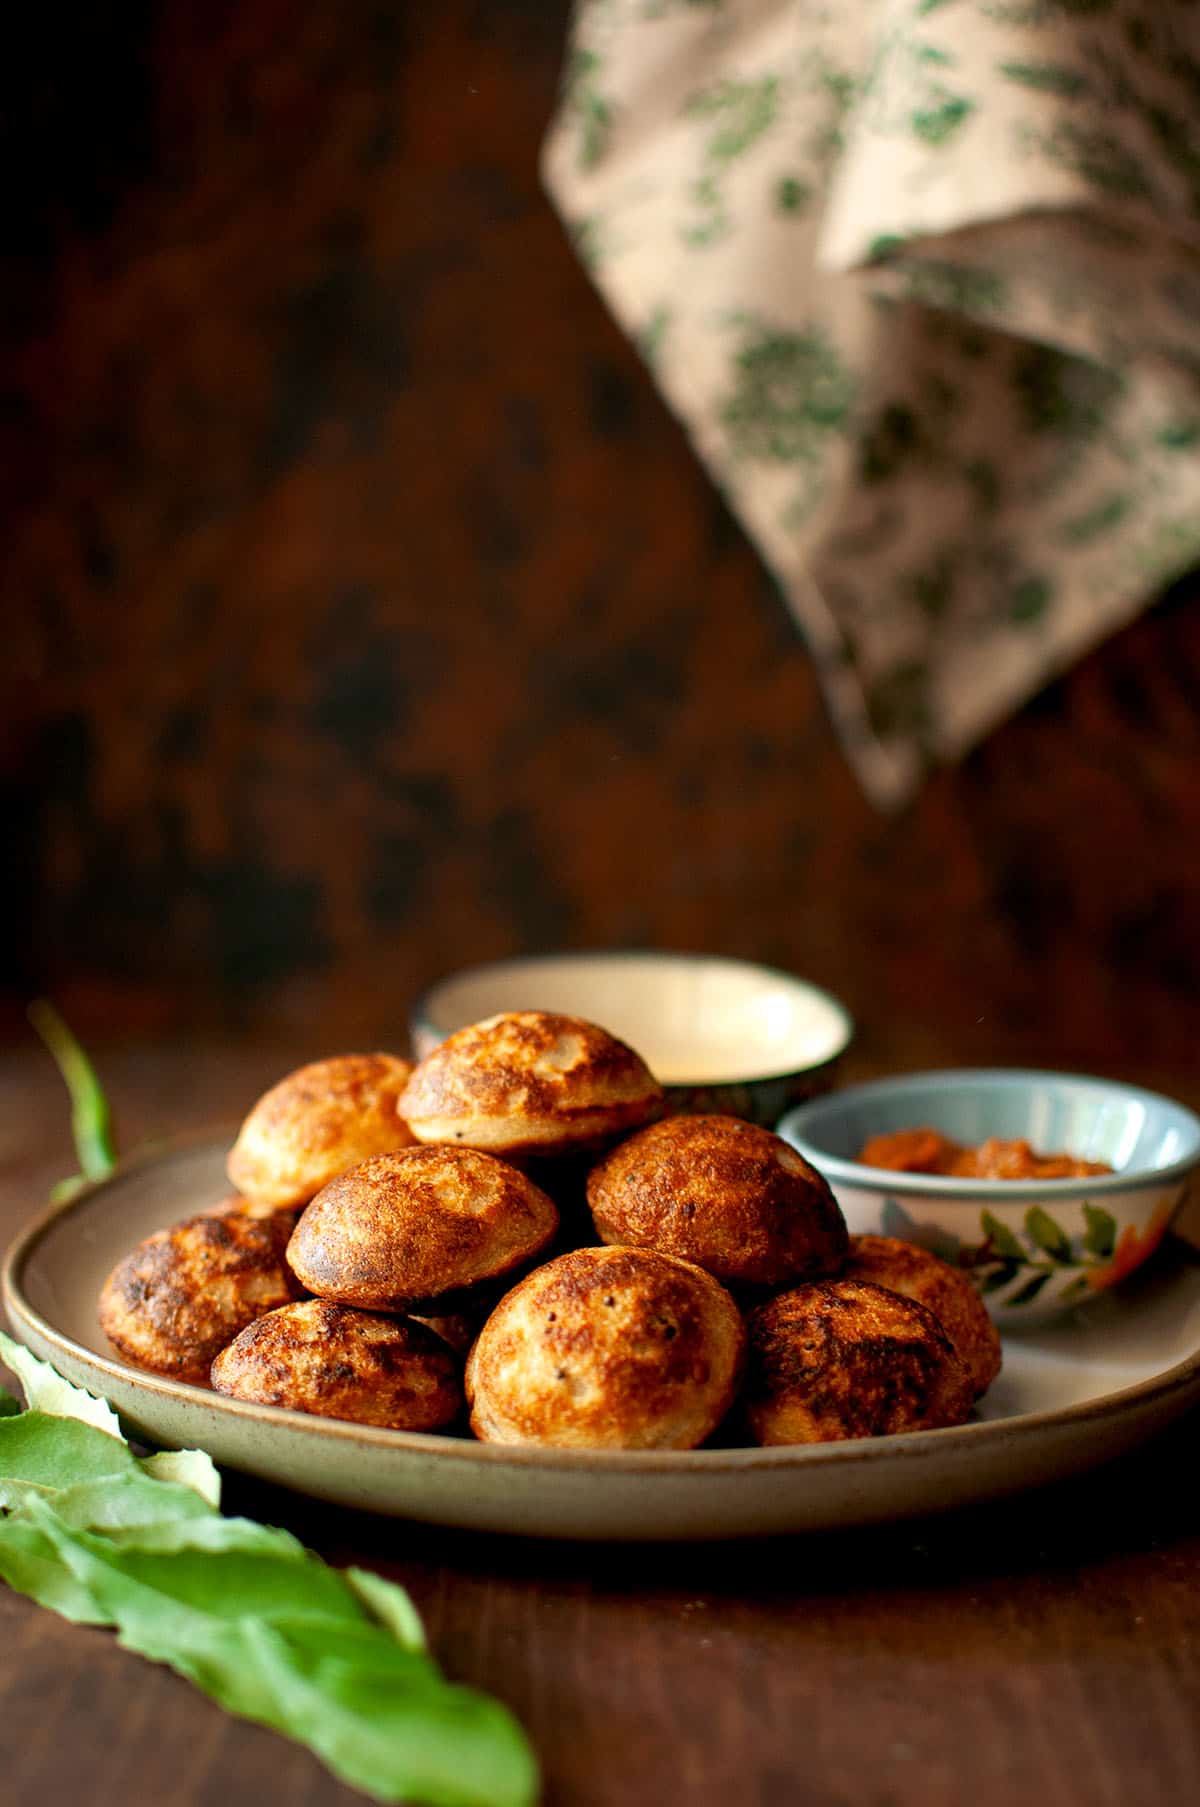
(1045, 1650)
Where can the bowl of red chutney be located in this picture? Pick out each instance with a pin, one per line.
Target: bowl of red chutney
(1048, 1188)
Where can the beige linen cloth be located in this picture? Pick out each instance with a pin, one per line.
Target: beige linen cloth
(922, 279)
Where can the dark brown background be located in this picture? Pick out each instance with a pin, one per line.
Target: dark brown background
(365, 612)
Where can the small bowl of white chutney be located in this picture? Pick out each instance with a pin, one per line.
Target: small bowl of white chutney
(721, 1035)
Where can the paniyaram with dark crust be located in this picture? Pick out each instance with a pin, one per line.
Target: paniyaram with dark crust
(843, 1358)
(950, 1295)
(341, 1363)
(735, 1199)
(530, 1082)
(181, 1295)
(409, 1228)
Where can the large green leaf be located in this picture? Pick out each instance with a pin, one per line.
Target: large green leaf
(279, 1638)
(249, 1615)
(30, 1563)
(51, 1453)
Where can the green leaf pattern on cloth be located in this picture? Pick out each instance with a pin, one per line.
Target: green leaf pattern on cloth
(738, 113)
(922, 279)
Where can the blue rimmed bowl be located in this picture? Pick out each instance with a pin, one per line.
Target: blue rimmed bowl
(720, 1034)
(1034, 1247)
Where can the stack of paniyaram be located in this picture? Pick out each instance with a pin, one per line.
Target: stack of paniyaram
(390, 1220)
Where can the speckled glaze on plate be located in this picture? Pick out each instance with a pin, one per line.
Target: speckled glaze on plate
(1071, 1395)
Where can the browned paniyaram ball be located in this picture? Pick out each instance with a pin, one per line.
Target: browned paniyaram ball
(733, 1198)
(844, 1358)
(607, 1349)
(318, 1121)
(342, 1363)
(184, 1293)
(530, 1083)
(949, 1293)
(406, 1229)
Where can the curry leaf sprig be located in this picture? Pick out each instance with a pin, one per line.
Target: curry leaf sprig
(335, 1659)
(91, 1119)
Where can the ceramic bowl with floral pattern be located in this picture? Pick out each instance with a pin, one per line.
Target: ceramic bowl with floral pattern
(1033, 1246)
(720, 1034)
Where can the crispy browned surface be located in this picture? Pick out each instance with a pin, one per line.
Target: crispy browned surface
(530, 1081)
(607, 1349)
(714, 1190)
(947, 1292)
(181, 1295)
(844, 1358)
(414, 1226)
(342, 1363)
(318, 1121)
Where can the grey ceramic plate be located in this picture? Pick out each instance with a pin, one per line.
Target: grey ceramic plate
(1070, 1396)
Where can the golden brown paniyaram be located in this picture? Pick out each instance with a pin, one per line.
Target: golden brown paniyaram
(181, 1295)
(404, 1229)
(318, 1121)
(341, 1363)
(725, 1194)
(530, 1082)
(844, 1358)
(949, 1293)
(607, 1349)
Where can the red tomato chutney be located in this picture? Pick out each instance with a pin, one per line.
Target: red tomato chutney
(926, 1150)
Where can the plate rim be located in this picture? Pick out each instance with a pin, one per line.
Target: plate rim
(1135, 1400)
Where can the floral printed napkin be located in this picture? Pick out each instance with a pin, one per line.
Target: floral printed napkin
(922, 278)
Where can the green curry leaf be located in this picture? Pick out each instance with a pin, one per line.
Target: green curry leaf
(335, 1660)
(192, 1468)
(91, 1119)
(47, 1391)
(390, 1605)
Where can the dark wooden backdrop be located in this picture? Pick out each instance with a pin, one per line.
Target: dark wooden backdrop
(364, 612)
